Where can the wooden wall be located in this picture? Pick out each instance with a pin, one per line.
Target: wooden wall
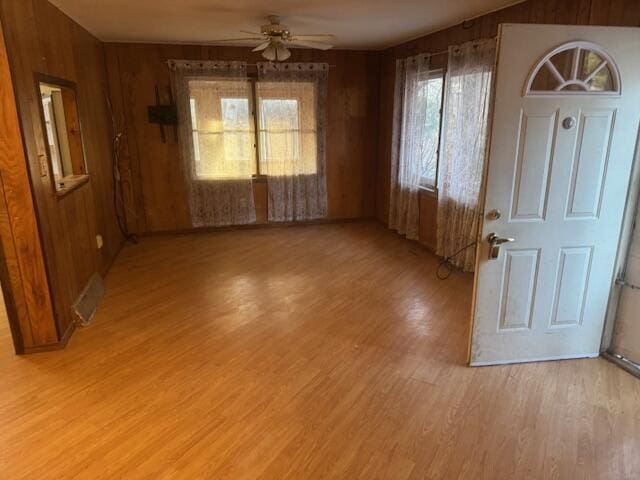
(567, 12)
(42, 39)
(154, 189)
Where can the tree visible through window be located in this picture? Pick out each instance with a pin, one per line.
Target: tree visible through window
(429, 97)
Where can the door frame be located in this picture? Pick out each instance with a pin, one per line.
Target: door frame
(632, 203)
(25, 284)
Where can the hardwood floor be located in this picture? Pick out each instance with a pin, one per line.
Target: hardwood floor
(329, 351)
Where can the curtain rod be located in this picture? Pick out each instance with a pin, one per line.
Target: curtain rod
(284, 63)
(171, 61)
(475, 43)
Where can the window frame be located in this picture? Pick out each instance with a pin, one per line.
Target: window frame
(195, 133)
(299, 98)
(254, 111)
(575, 46)
(79, 174)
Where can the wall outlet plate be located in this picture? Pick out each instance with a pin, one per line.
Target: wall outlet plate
(99, 241)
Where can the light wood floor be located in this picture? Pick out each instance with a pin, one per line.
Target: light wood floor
(311, 352)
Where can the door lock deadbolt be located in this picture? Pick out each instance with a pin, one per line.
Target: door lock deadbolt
(568, 123)
(494, 214)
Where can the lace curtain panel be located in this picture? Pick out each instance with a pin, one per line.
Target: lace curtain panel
(412, 145)
(216, 133)
(465, 130)
(292, 99)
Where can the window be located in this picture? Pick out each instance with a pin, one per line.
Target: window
(223, 128)
(429, 97)
(61, 126)
(575, 68)
(287, 123)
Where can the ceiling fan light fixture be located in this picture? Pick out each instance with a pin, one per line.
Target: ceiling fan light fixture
(270, 53)
(282, 53)
(274, 38)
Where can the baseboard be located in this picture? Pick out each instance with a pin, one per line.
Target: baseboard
(535, 359)
(53, 346)
(257, 226)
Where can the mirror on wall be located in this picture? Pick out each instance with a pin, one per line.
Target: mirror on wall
(61, 125)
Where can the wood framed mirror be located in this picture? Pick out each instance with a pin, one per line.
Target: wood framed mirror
(66, 164)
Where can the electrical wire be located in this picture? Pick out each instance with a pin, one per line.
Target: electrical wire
(118, 199)
(446, 263)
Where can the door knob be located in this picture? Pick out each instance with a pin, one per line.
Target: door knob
(495, 242)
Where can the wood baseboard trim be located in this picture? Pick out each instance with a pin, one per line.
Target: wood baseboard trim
(257, 226)
(53, 346)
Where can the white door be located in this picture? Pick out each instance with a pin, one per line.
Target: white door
(564, 132)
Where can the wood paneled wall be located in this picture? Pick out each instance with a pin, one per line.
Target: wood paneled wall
(154, 189)
(41, 39)
(567, 12)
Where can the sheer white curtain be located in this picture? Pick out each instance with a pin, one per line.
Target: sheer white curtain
(465, 130)
(412, 145)
(292, 99)
(216, 140)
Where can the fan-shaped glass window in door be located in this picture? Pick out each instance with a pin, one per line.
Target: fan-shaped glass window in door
(574, 68)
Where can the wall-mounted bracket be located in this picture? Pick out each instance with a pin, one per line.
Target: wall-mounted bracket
(164, 115)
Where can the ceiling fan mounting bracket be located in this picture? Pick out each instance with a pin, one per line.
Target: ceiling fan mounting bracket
(275, 30)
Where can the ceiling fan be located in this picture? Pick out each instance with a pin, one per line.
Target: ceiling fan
(275, 38)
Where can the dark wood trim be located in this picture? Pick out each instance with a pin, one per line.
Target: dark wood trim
(61, 82)
(53, 346)
(24, 272)
(259, 226)
(8, 295)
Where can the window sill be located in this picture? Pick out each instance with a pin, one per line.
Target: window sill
(70, 183)
(427, 190)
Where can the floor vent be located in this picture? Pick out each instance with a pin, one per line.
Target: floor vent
(87, 303)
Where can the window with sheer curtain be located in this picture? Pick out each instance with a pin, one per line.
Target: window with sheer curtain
(222, 129)
(287, 126)
(234, 127)
(224, 138)
(416, 140)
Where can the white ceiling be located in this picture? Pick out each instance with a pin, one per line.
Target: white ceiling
(367, 24)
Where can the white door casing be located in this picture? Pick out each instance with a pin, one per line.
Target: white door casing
(558, 171)
(626, 338)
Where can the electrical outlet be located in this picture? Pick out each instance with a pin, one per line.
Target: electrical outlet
(99, 241)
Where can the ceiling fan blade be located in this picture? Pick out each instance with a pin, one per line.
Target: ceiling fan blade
(316, 37)
(246, 39)
(310, 44)
(262, 46)
(252, 33)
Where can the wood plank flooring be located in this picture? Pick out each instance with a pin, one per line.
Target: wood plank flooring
(316, 352)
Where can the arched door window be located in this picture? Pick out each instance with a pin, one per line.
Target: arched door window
(575, 68)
